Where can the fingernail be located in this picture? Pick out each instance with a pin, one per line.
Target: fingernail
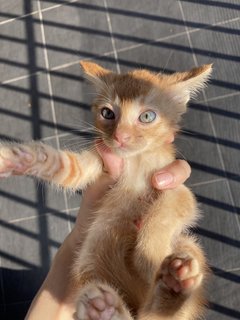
(164, 179)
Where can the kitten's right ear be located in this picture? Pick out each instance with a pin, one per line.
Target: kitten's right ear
(95, 73)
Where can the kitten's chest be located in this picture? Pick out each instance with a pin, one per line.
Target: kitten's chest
(127, 205)
(133, 195)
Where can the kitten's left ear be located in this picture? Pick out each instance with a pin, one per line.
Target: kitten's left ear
(95, 73)
(184, 85)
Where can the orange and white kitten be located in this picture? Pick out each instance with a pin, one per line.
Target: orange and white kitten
(138, 259)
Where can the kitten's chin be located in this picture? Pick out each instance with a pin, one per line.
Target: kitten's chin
(127, 152)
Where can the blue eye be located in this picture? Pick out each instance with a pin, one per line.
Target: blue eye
(107, 113)
(147, 116)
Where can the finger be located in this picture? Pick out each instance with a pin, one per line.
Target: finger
(172, 175)
(112, 163)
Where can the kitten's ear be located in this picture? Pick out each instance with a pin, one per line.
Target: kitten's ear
(94, 73)
(184, 85)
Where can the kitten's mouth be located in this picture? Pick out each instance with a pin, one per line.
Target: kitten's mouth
(125, 151)
(104, 146)
(122, 151)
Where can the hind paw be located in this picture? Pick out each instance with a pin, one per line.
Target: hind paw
(181, 273)
(100, 302)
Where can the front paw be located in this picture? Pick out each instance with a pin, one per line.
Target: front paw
(18, 159)
(181, 273)
(100, 302)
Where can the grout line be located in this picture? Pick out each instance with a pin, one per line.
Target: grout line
(221, 160)
(206, 182)
(135, 46)
(47, 71)
(73, 1)
(59, 67)
(18, 18)
(61, 135)
(227, 270)
(177, 34)
(111, 35)
(51, 97)
(188, 35)
(47, 214)
(233, 269)
(76, 208)
(228, 95)
(27, 218)
(212, 124)
(220, 23)
(66, 65)
(58, 5)
(69, 64)
(35, 12)
(21, 77)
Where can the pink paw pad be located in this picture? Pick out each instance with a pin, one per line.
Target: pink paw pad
(181, 274)
(17, 159)
(13, 159)
(97, 302)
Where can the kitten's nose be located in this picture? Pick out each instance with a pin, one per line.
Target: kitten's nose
(121, 137)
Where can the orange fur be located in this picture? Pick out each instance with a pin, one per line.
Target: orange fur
(74, 171)
(130, 265)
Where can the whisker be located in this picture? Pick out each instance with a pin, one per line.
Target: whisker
(89, 126)
(181, 154)
(187, 132)
(77, 148)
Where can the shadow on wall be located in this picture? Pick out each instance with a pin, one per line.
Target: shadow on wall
(35, 275)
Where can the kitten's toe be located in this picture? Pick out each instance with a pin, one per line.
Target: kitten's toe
(14, 159)
(17, 159)
(100, 302)
(181, 273)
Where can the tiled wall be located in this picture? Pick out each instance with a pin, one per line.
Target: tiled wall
(43, 96)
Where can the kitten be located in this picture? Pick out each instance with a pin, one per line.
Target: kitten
(138, 259)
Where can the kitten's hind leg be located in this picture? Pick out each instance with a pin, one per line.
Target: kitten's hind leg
(178, 291)
(99, 301)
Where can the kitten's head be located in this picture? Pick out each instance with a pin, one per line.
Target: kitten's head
(140, 110)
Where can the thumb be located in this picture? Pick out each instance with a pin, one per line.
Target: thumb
(112, 163)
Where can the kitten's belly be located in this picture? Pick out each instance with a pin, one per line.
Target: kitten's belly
(111, 242)
(113, 259)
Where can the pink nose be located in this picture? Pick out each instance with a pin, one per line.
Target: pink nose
(121, 137)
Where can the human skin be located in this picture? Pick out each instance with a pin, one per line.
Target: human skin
(54, 299)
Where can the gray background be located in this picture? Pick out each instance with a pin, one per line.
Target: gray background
(43, 96)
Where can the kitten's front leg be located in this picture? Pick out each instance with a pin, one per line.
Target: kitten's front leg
(64, 168)
(20, 159)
